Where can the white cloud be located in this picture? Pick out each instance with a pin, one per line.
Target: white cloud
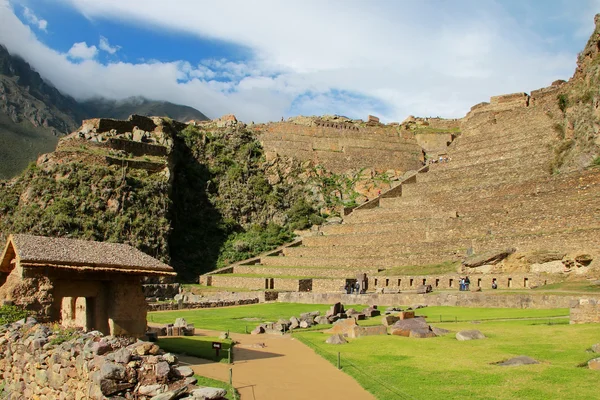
(42, 24)
(81, 51)
(105, 45)
(388, 58)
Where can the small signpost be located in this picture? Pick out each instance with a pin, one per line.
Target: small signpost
(217, 347)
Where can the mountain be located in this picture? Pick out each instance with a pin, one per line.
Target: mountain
(34, 114)
(121, 109)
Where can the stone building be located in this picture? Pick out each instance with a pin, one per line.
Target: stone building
(87, 284)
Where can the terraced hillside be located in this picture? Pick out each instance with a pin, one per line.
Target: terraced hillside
(503, 185)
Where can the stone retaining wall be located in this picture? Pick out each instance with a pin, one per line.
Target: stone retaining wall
(37, 362)
(585, 311)
(458, 299)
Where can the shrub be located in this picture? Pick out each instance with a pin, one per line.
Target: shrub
(563, 102)
(10, 314)
(596, 161)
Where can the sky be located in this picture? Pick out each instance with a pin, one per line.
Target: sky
(266, 59)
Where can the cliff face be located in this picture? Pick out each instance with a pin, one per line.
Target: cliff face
(578, 144)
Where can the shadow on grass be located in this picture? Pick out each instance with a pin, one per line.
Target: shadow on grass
(202, 347)
(196, 346)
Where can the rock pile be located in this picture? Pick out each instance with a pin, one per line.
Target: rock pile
(40, 362)
(306, 320)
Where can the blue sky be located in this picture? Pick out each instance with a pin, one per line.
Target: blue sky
(265, 59)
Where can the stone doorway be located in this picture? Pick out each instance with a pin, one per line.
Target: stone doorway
(78, 312)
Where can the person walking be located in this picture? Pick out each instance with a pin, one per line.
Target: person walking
(467, 283)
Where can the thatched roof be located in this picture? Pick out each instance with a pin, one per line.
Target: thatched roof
(33, 250)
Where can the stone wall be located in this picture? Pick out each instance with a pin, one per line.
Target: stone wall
(340, 146)
(458, 299)
(585, 311)
(137, 148)
(451, 281)
(37, 362)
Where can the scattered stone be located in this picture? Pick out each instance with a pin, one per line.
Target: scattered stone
(371, 312)
(439, 331)
(342, 326)
(209, 393)
(294, 323)
(151, 390)
(469, 335)
(406, 315)
(389, 320)
(170, 395)
(515, 361)
(596, 348)
(403, 327)
(258, 330)
(594, 364)
(421, 333)
(336, 339)
(490, 257)
(184, 371)
(360, 331)
(335, 309)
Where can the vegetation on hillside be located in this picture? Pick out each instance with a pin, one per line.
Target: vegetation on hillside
(89, 201)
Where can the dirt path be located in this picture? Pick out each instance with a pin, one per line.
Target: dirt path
(269, 367)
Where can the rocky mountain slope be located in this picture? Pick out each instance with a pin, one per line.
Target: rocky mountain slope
(33, 113)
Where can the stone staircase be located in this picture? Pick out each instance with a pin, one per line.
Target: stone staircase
(496, 191)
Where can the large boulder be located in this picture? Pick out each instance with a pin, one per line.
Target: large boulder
(335, 309)
(473, 334)
(489, 257)
(342, 326)
(515, 361)
(360, 331)
(336, 339)
(596, 348)
(405, 326)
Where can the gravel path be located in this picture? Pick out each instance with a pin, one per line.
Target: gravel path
(269, 367)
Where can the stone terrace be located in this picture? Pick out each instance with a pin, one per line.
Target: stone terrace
(496, 191)
(342, 146)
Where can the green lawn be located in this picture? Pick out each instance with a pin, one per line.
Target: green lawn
(236, 319)
(197, 346)
(443, 368)
(439, 368)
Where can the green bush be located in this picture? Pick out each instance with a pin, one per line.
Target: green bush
(10, 314)
(563, 102)
(597, 161)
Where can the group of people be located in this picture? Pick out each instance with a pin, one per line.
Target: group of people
(441, 159)
(464, 284)
(352, 288)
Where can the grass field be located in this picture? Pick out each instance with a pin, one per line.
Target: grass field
(443, 368)
(197, 346)
(237, 319)
(393, 367)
